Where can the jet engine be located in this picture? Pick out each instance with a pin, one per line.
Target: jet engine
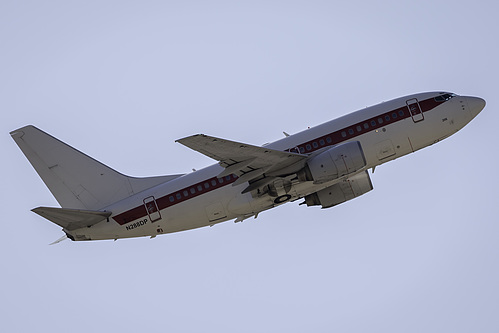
(336, 162)
(345, 190)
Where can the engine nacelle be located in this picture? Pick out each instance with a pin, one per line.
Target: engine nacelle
(345, 190)
(334, 163)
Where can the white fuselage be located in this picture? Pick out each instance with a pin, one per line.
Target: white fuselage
(385, 131)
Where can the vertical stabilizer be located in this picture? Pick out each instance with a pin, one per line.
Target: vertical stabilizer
(76, 180)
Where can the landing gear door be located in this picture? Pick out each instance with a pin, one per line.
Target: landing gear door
(415, 110)
(152, 209)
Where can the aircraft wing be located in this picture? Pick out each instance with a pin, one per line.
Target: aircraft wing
(246, 161)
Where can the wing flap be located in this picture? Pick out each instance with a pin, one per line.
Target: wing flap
(234, 168)
(71, 219)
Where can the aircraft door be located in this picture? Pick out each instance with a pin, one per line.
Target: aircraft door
(415, 110)
(215, 212)
(384, 149)
(152, 209)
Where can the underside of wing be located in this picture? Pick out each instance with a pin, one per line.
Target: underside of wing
(246, 161)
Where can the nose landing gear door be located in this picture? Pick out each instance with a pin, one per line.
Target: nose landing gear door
(152, 209)
(415, 110)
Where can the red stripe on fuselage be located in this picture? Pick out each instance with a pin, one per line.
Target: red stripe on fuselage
(330, 139)
(362, 127)
(176, 197)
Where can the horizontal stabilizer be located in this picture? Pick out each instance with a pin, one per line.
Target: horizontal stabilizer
(59, 240)
(71, 219)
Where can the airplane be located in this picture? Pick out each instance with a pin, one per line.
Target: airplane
(324, 166)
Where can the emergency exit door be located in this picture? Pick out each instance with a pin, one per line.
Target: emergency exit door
(152, 209)
(415, 110)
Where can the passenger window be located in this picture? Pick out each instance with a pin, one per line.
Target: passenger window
(193, 190)
(214, 182)
(344, 134)
(373, 123)
(309, 147)
(366, 125)
(302, 150)
(321, 142)
(200, 188)
(328, 140)
(172, 199)
(401, 113)
(359, 128)
(387, 118)
(220, 180)
(179, 196)
(186, 193)
(227, 178)
(350, 131)
(315, 144)
(206, 185)
(394, 115)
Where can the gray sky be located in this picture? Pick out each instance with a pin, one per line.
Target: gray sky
(121, 80)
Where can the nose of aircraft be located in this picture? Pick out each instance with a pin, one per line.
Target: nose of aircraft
(475, 104)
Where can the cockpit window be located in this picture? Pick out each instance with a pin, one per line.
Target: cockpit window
(444, 97)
